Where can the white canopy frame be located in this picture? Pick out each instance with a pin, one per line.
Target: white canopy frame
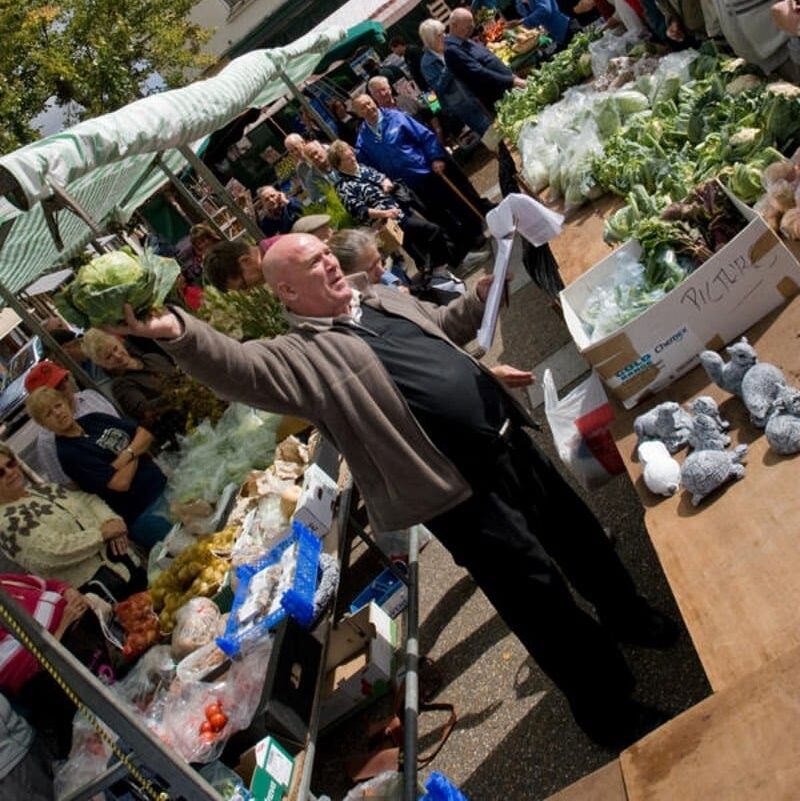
(62, 191)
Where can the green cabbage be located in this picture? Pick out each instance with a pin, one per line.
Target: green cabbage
(103, 286)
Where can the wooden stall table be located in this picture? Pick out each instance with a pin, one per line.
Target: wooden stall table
(741, 744)
(733, 561)
(605, 784)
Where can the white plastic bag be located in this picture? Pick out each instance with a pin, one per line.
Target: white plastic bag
(580, 423)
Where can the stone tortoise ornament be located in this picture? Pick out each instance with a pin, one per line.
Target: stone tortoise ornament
(704, 471)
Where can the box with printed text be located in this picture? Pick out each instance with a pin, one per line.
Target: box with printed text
(741, 283)
(360, 664)
(317, 501)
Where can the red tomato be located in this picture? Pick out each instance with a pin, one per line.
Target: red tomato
(213, 709)
(205, 727)
(208, 737)
(218, 721)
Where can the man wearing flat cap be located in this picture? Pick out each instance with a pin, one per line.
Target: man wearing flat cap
(318, 225)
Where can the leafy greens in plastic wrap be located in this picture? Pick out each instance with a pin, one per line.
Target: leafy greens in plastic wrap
(213, 456)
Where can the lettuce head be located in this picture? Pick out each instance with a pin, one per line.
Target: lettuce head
(103, 286)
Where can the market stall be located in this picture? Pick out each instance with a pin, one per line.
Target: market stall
(731, 563)
(193, 570)
(180, 704)
(729, 557)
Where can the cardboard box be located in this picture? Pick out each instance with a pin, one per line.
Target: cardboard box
(386, 590)
(360, 664)
(752, 275)
(317, 500)
(268, 768)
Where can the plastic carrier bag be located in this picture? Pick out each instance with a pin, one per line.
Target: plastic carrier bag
(580, 423)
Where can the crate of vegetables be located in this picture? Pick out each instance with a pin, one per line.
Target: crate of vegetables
(642, 315)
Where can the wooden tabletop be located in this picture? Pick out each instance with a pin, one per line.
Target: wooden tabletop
(733, 562)
(742, 744)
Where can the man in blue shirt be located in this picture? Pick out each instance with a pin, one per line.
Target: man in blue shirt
(395, 144)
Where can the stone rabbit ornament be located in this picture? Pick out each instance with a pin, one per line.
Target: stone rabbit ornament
(729, 375)
(782, 429)
(667, 422)
(705, 404)
(706, 434)
(661, 473)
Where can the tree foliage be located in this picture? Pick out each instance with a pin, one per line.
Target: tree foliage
(89, 57)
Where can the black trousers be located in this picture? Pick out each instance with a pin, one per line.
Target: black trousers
(445, 207)
(520, 534)
(427, 243)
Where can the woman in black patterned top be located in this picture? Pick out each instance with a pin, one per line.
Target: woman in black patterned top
(369, 196)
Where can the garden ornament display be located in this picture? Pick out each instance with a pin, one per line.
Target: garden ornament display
(783, 422)
(705, 404)
(759, 388)
(661, 474)
(667, 422)
(706, 435)
(729, 375)
(704, 471)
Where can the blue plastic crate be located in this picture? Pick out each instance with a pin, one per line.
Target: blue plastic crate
(440, 788)
(297, 601)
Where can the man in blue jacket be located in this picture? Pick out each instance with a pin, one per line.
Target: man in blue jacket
(395, 144)
(475, 65)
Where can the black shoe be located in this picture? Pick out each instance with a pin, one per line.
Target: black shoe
(479, 242)
(644, 626)
(619, 726)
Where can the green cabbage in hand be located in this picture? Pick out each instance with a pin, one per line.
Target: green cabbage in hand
(103, 286)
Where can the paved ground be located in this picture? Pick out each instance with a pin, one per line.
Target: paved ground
(515, 739)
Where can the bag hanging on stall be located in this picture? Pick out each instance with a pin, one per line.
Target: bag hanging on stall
(581, 426)
(389, 235)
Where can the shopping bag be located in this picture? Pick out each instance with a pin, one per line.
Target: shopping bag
(390, 236)
(580, 423)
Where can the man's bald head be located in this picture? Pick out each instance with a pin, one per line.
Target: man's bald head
(306, 276)
(461, 23)
(294, 144)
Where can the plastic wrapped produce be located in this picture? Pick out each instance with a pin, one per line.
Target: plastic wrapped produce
(196, 624)
(213, 456)
(281, 583)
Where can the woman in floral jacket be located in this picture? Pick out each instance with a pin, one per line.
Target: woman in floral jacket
(66, 535)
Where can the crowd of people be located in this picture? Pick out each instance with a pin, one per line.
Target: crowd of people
(366, 360)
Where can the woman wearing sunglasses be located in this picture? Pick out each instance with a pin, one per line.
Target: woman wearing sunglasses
(64, 534)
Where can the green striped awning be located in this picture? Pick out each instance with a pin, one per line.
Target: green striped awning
(106, 164)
